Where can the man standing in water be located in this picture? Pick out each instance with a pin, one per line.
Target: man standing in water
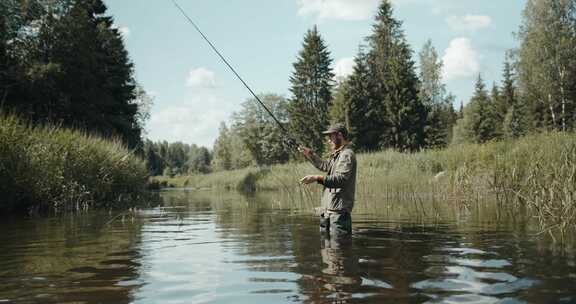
(339, 183)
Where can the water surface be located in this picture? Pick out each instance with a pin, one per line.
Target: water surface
(202, 247)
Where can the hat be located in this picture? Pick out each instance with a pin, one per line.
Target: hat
(335, 128)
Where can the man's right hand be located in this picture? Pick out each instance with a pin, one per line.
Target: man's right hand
(306, 151)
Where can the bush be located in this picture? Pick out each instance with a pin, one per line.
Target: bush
(46, 168)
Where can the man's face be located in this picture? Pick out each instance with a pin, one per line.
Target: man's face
(335, 140)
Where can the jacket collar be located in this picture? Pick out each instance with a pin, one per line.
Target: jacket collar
(337, 151)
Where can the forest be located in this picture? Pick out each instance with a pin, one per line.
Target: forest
(64, 63)
(391, 102)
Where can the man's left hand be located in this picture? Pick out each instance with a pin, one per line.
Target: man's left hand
(311, 178)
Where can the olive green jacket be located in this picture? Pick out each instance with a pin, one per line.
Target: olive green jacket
(340, 181)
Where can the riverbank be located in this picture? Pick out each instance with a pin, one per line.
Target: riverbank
(50, 170)
(537, 171)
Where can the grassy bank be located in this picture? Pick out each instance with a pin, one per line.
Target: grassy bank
(49, 169)
(537, 172)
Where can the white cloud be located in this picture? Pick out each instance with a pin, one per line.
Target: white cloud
(344, 67)
(195, 121)
(201, 78)
(468, 22)
(338, 9)
(460, 60)
(124, 31)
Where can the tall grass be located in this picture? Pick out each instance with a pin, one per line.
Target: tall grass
(537, 172)
(57, 170)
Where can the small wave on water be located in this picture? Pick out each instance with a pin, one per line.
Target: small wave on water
(244, 250)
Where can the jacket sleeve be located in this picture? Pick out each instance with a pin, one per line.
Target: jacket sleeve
(342, 172)
(322, 165)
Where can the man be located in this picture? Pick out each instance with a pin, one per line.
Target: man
(339, 183)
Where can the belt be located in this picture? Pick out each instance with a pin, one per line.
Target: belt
(331, 211)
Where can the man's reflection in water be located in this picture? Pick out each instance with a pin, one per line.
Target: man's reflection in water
(340, 266)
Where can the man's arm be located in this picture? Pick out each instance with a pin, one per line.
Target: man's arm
(322, 165)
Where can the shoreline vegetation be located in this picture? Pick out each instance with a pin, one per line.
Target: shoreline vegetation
(48, 169)
(536, 173)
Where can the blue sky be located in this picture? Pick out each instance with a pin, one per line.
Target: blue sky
(194, 91)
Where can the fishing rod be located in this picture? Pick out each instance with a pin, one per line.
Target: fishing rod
(291, 141)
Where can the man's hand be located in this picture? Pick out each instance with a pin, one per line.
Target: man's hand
(306, 151)
(311, 178)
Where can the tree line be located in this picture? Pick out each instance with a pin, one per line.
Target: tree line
(169, 159)
(386, 104)
(538, 88)
(64, 62)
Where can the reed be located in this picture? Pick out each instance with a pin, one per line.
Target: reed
(52, 169)
(537, 172)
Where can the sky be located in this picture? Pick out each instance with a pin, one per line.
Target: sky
(193, 90)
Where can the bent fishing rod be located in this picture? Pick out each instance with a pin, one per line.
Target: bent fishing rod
(291, 141)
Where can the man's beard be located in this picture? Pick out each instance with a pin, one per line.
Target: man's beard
(337, 143)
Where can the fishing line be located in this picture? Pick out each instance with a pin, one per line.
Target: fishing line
(291, 141)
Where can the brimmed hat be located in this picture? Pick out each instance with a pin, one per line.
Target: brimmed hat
(335, 128)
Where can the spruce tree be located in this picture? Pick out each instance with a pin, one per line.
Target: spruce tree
(77, 70)
(362, 106)
(481, 112)
(339, 106)
(508, 86)
(311, 88)
(403, 114)
(516, 120)
(498, 110)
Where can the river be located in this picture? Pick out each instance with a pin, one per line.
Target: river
(203, 247)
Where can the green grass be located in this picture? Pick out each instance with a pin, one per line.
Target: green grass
(51, 169)
(537, 172)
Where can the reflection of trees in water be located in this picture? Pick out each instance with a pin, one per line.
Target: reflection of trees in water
(262, 232)
(386, 261)
(249, 220)
(330, 268)
(391, 259)
(79, 258)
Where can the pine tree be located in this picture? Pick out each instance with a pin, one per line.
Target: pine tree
(403, 114)
(311, 88)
